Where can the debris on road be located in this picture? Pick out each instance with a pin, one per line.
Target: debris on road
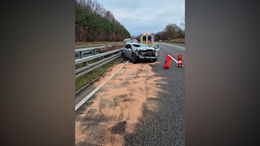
(118, 106)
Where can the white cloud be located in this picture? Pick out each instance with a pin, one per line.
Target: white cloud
(140, 16)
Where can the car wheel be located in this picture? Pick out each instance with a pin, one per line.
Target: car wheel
(134, 58)
(123, 56)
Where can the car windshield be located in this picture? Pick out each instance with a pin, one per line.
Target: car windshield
(139, 45)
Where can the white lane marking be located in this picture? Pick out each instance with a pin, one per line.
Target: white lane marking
(96, 89)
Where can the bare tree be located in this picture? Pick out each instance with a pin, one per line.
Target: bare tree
(182, 24)
(110, 16)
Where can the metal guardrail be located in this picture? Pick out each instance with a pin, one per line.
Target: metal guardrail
(91, 48)
(106, 57)
(81, 53)
(94, 45)
(85, 59)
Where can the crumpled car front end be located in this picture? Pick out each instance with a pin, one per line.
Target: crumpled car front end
(147, 53)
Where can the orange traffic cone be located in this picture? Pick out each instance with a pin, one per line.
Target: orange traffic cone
(179, 61)
(167, 62)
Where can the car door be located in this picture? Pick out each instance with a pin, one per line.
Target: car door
(128, 50)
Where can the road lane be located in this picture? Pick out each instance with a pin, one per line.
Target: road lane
(173, 50)
(142, 105)
(174, 46)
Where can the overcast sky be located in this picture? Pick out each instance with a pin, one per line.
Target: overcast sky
(146, 16)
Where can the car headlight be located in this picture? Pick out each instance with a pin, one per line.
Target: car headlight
(138, 52)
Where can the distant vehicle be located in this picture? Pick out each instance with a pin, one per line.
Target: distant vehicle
(147, 38)
(130, 40)
(138, 51)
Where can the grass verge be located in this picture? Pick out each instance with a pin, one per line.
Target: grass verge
(91, 44)
(87, 78)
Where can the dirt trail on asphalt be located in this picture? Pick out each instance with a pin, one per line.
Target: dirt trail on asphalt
(117, 107)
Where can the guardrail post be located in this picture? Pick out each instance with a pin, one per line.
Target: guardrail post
(81, 54)
(95, 51)
(85, 63)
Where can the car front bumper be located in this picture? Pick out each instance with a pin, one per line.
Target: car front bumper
(148, 57)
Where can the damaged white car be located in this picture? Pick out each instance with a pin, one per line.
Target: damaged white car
(138, 51)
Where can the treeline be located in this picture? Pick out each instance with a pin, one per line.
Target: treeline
(170, 32)
(94, 23)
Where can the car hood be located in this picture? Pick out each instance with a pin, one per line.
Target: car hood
(145, 49)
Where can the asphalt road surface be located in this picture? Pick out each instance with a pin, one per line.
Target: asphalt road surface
(142, 104)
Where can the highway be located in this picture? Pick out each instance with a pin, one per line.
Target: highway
(134, 104)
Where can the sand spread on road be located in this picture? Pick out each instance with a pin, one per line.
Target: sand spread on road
(118, 106)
